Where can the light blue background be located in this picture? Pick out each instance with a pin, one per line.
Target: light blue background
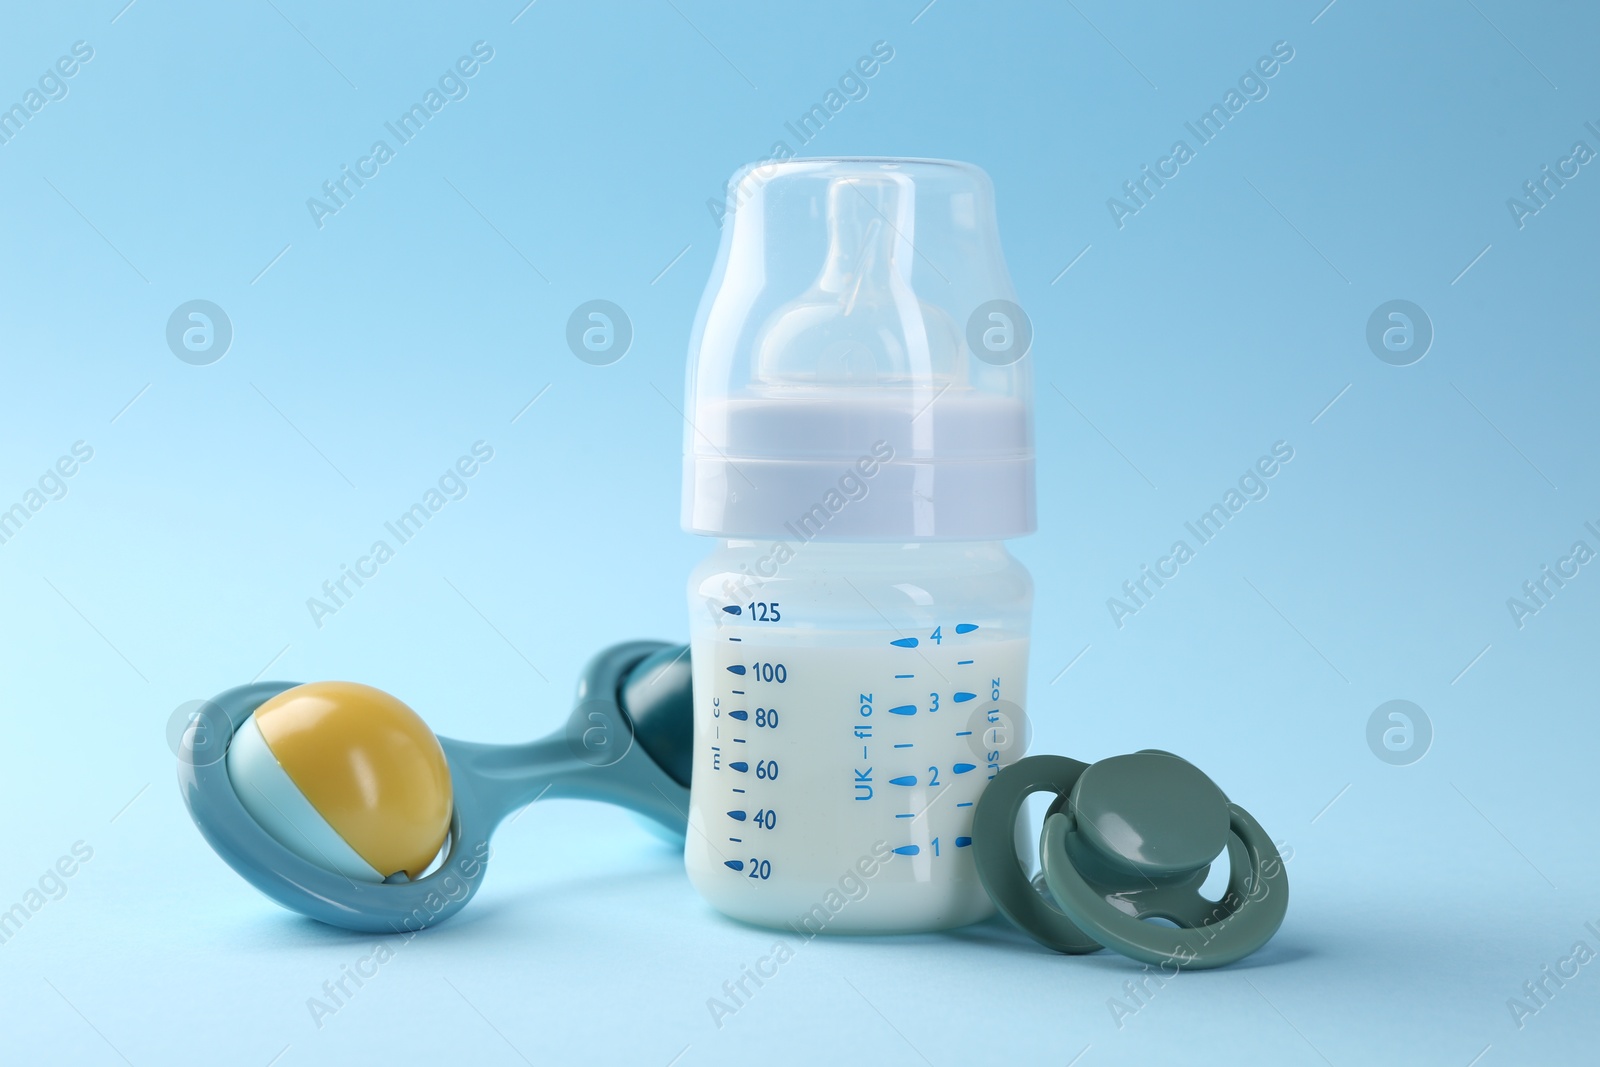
(1224, 316)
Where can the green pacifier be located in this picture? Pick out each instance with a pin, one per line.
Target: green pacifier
(1130, 839)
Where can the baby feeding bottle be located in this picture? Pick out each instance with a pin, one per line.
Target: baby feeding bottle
(860, 442)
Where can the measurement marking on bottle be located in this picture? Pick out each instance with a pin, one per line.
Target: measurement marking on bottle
(733, 609)
(885, 716)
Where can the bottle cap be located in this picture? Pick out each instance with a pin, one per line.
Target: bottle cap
(859, 369)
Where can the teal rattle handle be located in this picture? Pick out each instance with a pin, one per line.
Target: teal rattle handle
(494, 781)
(1246, 917)
(625, 743)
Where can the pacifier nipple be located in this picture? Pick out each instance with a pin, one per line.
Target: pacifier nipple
(347, 777)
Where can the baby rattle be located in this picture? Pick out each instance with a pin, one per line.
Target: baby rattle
(335, 799)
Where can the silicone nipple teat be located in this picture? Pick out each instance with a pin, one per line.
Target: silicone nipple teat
(860, 322)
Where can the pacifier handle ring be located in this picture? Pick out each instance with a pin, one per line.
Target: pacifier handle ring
(305, 887)
(994, 850)
(1253, 906)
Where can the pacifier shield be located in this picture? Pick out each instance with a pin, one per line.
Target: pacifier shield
(1152, 811)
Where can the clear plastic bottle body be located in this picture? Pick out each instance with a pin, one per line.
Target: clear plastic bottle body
(851, 701)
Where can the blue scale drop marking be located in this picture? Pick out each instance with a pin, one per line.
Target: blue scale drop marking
(736, 815)
(740, 715)
(904, 709)
(960, 698)
(963, 768)
(963, 842)
(904, 779)
(907, 850)
(741, 766)
(734, 865)
(965, 804)
(737, 668)
(963, 733)
(963, 663)
(905, 676)
(905, 744)
(733, 609)
(905, 642)
(966, 627)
